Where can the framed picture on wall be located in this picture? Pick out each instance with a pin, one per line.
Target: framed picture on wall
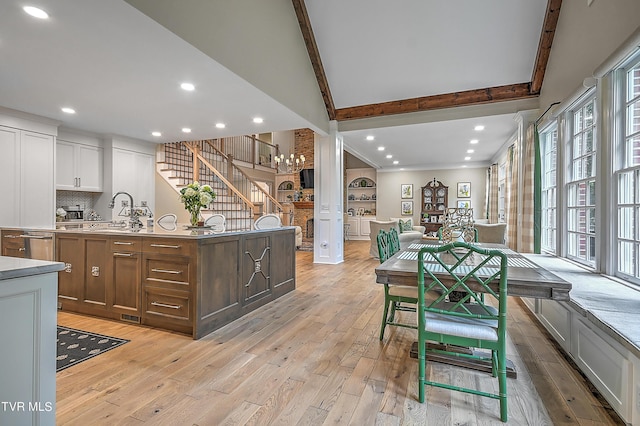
(407, 208)
(406, 190)
(464, 204)
(464, 189)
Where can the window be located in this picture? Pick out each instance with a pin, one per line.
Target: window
(502, 185)
(548, 153)
(627, 178)
(581, 185)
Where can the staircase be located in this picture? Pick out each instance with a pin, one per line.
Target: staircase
(238, 197)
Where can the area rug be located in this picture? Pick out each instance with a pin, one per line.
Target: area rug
(75, 346)
(306, 246)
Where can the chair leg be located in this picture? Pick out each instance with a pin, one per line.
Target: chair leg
(502, 384)
(384, 314)
(392, 317)
(421, 368)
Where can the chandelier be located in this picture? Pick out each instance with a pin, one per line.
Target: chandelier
(291, 164)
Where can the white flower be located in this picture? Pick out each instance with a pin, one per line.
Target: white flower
(189, 192)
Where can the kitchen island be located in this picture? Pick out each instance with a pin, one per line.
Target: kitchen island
(191, 281)
(28, 336)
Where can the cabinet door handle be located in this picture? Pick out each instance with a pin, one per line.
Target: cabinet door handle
(164, 246)
(12, 236)
(124, 254)
(122, 243)
(79, 182)
(22, 249)
(166, 271)
(164, 305)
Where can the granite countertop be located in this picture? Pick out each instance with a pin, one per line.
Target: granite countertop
(15, 267)
(180, 231)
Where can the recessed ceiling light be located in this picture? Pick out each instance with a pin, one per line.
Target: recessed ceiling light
(258, 120)
(186, 130)
(381, 148)
(467, 158)
(188, 86)
(396, 162)
(370, 138)
(35, 12)
(478, 128)
(156, 134)
(473, 141)
(470, 151)
(69, 110)
(220, 125)
(389, 156)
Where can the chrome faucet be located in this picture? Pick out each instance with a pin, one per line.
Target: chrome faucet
(134, 220)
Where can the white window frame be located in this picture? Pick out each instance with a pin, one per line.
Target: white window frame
(626, 262)
(549, 188)
(576, 213)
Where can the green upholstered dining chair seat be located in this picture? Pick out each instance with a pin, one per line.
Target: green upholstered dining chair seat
(470, 328)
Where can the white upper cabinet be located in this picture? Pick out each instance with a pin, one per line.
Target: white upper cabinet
(134, 173)
(79, 167)
(26, 173)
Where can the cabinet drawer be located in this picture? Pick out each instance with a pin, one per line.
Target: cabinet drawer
(168, 246)
(167, 270)
(166, 303)
(125, 244)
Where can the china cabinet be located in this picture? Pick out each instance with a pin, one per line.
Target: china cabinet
(435, 200)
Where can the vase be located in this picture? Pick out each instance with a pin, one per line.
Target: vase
(195, 217)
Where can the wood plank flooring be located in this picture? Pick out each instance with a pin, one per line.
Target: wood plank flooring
(311, 357)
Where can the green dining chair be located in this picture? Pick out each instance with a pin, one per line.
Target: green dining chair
(396, 297)
(469, 322)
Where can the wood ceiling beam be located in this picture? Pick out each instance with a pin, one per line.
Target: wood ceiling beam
(448, 100)
(314, 56)
(544, 47)
(487, 95)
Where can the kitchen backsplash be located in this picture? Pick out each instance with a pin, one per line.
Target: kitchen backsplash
(72, 198)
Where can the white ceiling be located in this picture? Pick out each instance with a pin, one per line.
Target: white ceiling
(121, 71)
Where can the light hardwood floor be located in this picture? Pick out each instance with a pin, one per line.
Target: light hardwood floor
(311, 357)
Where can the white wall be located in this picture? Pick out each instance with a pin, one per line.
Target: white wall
(584, 38)
(388, 183)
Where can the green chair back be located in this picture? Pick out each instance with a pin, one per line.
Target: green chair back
(462, 268)
(394, 241)
(384, 246)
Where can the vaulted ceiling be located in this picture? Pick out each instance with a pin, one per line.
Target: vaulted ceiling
(416, 75)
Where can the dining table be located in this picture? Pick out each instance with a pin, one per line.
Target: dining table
(524, 279)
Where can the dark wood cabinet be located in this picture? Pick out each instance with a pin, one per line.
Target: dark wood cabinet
(188, 285)
(168, 277)
(82, 284)
(13, 244)
(125, 277)
(435, 201)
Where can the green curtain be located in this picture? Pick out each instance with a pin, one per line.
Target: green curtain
(537, 192)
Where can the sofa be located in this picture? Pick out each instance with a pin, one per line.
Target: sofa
(405, 237)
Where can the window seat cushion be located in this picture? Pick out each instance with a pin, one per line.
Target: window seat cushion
(610, 305)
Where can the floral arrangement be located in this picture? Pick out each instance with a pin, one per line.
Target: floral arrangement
(195, 196)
